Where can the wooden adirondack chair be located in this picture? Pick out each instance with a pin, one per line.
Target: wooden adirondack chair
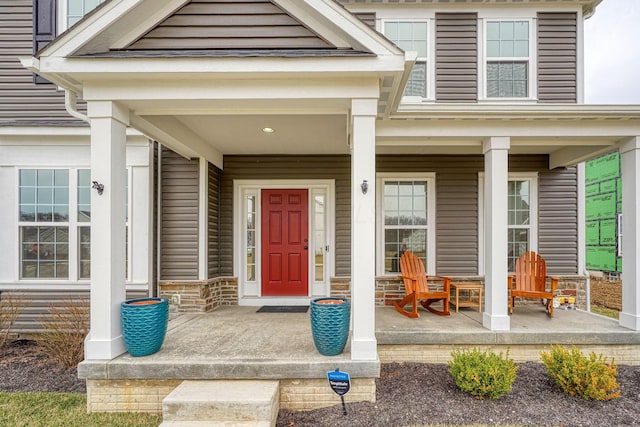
(418, 288)
(530, 281)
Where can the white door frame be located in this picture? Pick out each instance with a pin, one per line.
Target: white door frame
(249, 291)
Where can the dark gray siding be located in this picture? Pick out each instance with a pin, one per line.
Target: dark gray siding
(20, 98)
(289, 167)
(36, 306)
(368, 18)
(456, 57)
(457, 208)
(213, 218)
(557, 57)
(229, 24)
(558, 220)
(179, 219)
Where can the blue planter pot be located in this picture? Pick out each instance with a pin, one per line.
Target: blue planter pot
(330, 324)
(144, 324)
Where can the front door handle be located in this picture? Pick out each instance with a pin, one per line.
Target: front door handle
(306, 248)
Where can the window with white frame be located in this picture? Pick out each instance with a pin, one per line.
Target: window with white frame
(54, 224)
(507, 58)
(522, 217)
(412, 36)
(44, 223)
(71, 11)
(407, 209)
(519, 218)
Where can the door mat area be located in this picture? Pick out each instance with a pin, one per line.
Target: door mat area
(283, 309)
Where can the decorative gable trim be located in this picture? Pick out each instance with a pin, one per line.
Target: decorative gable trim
(229, 24)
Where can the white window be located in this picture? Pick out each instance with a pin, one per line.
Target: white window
(407, 220)
(522, 217)
(413, 36)
(54, 224)
(44, 223)
(71, 11)
(508, 62)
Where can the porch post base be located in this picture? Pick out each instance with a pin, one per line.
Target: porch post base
(103, 349)
(364, 349)
(496, 323)
(629, 321)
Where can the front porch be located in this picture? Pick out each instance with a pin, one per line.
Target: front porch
(236, 343)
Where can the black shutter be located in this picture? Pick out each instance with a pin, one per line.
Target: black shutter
(44, 27)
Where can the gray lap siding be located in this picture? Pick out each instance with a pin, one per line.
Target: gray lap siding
(456, 204)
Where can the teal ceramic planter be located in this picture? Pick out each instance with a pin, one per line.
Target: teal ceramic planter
(330, 324)
(144, 324)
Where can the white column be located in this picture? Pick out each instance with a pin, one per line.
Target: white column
(496, 178)
(108, 167)
(630, 314)
(203, 218)
(363, 229)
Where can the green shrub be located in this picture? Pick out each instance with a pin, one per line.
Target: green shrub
(482, 374)
(577, 375)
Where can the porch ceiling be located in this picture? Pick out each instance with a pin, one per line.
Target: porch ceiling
(294, 133)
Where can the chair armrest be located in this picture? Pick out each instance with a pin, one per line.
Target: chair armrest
(446, 281)
(554, 283)
(510, 281)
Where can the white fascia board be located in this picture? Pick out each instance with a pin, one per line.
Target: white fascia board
(519, 111)
(62, 131)
(555, 130)
(251, 67)
(338, 26)
(194, 89)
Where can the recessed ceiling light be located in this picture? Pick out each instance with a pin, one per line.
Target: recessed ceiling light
(268, 130)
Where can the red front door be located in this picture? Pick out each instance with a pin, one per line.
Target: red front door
(285, 233)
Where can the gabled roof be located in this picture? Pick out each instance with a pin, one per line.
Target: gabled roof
(223, 25)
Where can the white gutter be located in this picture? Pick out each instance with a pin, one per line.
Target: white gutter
(70, 104)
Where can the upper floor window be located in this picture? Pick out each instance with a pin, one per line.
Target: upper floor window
(412, 36)
(71, 11)
(508, 59)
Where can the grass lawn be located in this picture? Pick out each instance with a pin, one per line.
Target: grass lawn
(604, 311)
(62, 409)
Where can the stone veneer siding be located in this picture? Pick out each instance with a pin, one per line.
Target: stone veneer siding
(606, 293)
(147, 395)
(390, 288)
(199, 296)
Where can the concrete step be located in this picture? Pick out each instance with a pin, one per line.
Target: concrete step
(222, 403)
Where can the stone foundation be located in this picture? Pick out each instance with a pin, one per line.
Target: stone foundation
(199, 296)
(606, 293)
(390, 289)
(147, 395)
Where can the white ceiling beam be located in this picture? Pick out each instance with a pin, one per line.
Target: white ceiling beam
(170, 132)
(570, 156)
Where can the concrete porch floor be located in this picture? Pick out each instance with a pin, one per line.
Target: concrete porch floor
(238, 343)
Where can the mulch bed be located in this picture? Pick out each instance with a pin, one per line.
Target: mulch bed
(23, 367)
(413, 394)
(409, 394)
